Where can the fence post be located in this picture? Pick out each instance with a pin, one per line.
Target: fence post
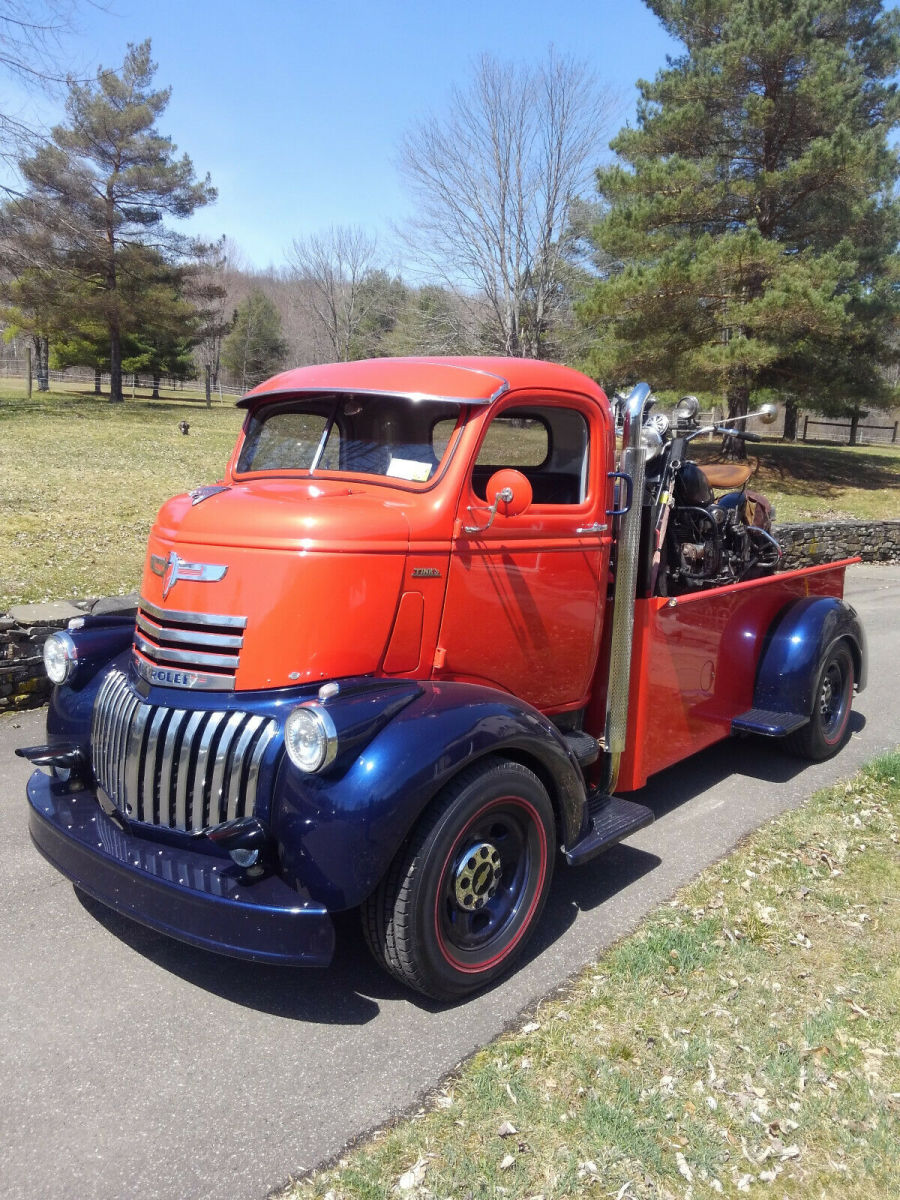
(28, 370)
(894, 434)
(805, 425)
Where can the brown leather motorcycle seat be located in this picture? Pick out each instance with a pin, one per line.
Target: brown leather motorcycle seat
(727, 475)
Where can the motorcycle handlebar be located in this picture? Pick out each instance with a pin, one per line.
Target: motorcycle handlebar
(741, 433)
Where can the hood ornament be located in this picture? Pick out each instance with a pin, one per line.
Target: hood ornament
(174, 568)
(199, 494)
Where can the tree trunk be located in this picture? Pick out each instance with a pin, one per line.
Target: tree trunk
(208, 385)
(738, 406)
(115, 366)
(854, 425)
(790, 419)
(154, 395)
(98, 380)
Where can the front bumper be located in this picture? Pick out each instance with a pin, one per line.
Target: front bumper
(187, 895)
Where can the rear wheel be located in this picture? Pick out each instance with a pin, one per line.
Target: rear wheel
(463, 896)
(829, 725)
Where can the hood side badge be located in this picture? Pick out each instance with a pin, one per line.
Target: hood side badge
(174, 568)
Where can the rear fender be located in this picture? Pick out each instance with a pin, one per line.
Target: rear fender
(802, 633)
(337, 834)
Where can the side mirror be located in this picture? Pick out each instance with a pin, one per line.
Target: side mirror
(510, 494)
(768, 413)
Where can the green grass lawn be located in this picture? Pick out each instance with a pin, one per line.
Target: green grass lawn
(82, 481)
(743, 1041)
(807, 482)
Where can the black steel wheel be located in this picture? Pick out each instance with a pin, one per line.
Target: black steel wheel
(464, 894)
(829, 723)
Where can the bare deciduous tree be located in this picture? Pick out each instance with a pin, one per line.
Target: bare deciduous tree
(329, 270)
(494, 180)
(33, 37)
(207, 288)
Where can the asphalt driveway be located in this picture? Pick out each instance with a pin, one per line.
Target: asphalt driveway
(135, 1066)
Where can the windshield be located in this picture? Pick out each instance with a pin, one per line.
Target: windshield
(392, 436)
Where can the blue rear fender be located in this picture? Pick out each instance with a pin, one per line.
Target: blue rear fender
(799, 638)
(338, 832)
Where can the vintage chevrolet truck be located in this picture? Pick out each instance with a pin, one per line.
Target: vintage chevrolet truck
(427, 629)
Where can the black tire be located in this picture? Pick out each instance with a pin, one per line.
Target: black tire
(829, 724)
(463, 895)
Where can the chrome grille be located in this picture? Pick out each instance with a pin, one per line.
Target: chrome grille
(173, 767)
(188, 649)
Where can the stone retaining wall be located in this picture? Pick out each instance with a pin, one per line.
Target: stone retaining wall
(23, 630)
(827, 541)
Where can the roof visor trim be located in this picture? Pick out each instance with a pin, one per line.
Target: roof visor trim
(339, 388)
(413, 397)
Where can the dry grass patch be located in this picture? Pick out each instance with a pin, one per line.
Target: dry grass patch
(744, 1041)
(83, 480)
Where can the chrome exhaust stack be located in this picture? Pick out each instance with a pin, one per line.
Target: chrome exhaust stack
(632, 462)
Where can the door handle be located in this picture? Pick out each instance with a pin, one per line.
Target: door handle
(597, 527)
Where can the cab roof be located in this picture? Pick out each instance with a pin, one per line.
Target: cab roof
(465, 380)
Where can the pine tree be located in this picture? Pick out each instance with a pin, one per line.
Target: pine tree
(752, 218)
(107, 180)
(255, 348)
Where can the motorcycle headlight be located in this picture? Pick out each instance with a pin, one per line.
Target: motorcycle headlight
(651, 440)
(60, 658)
(310, 738)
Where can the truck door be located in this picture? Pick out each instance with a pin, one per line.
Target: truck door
(525, 593)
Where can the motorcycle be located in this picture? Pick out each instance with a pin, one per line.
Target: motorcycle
(694, 538)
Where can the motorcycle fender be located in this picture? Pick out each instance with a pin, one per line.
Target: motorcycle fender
(800, 636)
(338, 832)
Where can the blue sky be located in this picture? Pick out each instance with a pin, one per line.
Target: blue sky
(296, 108)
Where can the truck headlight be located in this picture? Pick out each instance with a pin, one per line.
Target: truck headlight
(310, 737)
(60, 657)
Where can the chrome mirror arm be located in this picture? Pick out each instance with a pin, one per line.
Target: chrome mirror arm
(502, 497)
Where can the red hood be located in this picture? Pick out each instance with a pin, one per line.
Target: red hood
(315, 569)
(276, 514)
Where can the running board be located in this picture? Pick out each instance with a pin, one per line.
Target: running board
(612, 819)
(767, 722)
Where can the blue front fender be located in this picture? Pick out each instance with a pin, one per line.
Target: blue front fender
(802, 633)
(338, 833)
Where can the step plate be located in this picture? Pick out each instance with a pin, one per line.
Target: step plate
(767, 722)
(585, 748)
(612, 819)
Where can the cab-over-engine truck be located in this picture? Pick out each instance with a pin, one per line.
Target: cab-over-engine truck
(402, 654)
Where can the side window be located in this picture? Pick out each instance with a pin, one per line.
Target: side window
(549, 445)
(441, 433)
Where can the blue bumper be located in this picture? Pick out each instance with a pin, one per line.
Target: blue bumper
(194, 897)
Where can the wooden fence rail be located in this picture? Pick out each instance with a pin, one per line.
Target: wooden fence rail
(891, 429)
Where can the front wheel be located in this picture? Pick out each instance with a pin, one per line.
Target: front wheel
(463, 895)
(829, 725)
